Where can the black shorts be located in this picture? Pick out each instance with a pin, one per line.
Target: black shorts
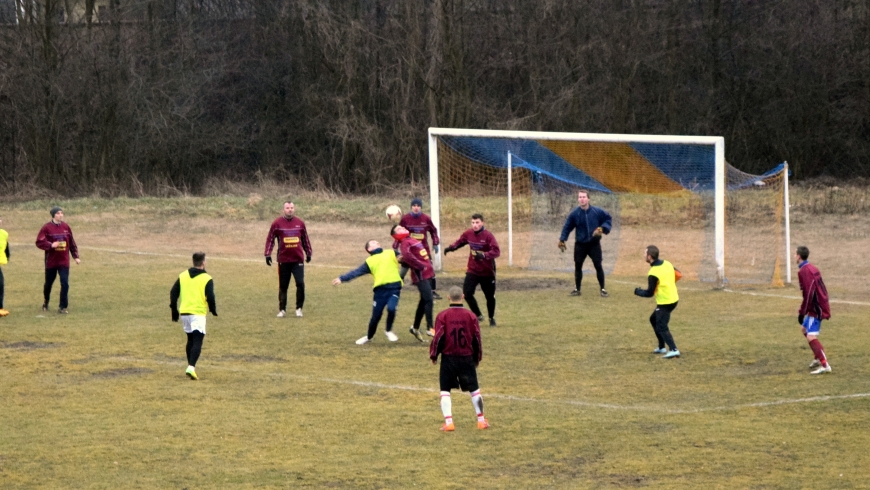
(458, 372)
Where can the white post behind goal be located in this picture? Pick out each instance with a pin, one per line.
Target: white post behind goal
(538, 170)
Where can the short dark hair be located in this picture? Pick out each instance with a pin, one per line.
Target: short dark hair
(393, 229)
(804, 252)
(652, 251)
(198, 259)
(477, 216)
(288, 202)
(367, 244)
(584, 191)
(455, 294)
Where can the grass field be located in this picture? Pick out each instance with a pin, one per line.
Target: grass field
(98, 398)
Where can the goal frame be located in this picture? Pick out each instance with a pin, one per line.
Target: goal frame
(718, 142)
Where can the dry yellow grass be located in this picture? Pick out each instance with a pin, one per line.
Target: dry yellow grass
(98, 398)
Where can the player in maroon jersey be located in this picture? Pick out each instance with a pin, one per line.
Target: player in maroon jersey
(481, 266)
(457, 339)
(56, 238)
(814, 308)
(415, 257)
(293, 245)
(419, 225)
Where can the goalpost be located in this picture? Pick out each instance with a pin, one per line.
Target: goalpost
(673, 189)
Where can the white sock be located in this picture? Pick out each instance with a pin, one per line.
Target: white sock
(477, 401)
(446, 407)
(191, 367)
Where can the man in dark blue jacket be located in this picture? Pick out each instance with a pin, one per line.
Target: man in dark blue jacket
(588, 224)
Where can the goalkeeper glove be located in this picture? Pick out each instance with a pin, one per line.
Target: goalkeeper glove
(307, 259)
(435, 248)
(269, 261)
(800, 319)
(479, 255)
(562, 246)
(448, 250)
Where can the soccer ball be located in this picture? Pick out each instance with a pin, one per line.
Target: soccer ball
(394, 212)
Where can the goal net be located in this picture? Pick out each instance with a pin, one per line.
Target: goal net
(714, 222)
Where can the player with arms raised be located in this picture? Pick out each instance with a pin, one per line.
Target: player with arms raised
(457, 339)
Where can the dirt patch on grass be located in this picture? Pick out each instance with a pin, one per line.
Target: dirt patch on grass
(27, 345)
(251, 358)
(117, 373)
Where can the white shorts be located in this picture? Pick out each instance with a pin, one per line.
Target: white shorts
(193, 322)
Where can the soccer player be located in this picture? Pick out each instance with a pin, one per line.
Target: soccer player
(4, 259)
(457, 339)
(292, 237)
(56, 238)
(387, 287)
(419, 225)
(481, 265)
(814, 308)
(416, 258)
(194, 289)
(588, 223)
(663, 285)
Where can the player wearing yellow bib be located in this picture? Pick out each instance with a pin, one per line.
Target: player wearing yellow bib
(386, 287)
(191, 297)
(4, 259)
(662, 285)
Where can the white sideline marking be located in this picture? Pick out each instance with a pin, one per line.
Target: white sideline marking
(576, 403)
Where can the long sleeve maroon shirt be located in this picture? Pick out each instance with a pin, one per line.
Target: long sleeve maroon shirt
(292, 238)
(57, 232)
(481, 241)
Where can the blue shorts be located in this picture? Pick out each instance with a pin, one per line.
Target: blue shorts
(812, 325)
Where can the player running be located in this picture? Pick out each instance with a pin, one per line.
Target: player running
(387, 287)
(457, 339)
(415, 257)
(194, 288)
(663, 285)
(814, 308)
(419, 225)
(292, 237)
(481, 265)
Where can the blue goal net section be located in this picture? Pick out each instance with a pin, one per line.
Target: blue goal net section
(659, 190)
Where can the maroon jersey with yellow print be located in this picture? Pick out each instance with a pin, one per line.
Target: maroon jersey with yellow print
(419, 226)
(416, 257)
(292, 238)
(57, 232)
(480, 241)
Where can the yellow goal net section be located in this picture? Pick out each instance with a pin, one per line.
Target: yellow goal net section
(714, 222)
